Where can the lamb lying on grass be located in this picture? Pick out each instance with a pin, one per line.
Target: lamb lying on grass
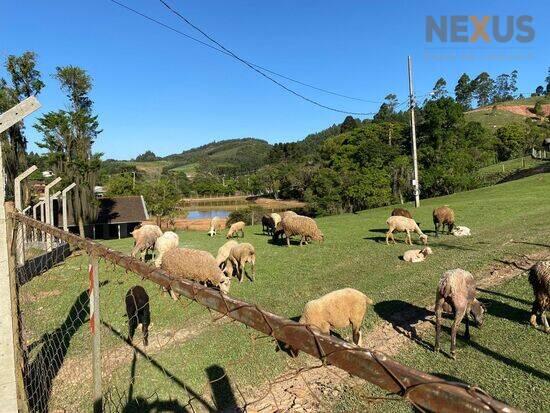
(195, 265)
(460, 231)
(165, 242)
(145, 237)
(403, 224)
(417, 255)
(337, 309)
(457, 292)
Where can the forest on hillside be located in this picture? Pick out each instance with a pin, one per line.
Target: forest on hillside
(358, 164)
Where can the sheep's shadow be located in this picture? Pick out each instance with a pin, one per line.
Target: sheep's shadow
(532, 243)
(403, 317)
(282, 242)
(510, 297)
(506, 311)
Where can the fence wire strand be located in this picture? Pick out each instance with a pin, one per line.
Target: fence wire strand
(165, 364)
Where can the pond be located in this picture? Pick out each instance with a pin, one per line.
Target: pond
(222, 213)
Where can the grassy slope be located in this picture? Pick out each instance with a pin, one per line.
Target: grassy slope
(353, 255)
(494, 119)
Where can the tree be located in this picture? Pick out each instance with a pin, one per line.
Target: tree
(387, 109)
(539, 91)
(146, 157)
(548, 82)
(69, 136)
(161, 197)
(121, 184)
(348, 124)
(439, 91)
(25, 82)
(502, 88)
(483, 89)
(512, 141)
(464, 91)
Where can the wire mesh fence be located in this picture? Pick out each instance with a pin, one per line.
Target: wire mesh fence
(82, 304)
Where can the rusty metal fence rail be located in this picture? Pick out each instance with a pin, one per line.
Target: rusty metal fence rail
(424, 391)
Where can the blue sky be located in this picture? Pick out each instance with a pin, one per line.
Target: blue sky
(154, 89)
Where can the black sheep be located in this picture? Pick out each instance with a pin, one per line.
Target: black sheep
(138, 312)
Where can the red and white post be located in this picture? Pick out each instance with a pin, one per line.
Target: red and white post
(93, 272)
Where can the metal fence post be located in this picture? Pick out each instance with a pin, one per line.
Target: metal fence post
(65, 210)
(47, 212)
(20, 244)
(93, 271)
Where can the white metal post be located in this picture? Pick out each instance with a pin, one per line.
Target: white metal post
(25, 211)
(47, 213)
(19, 240)
(8, 387)
(416, 186)
(65, 209)
(35, 216)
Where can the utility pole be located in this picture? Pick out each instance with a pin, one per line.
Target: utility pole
(415, 184)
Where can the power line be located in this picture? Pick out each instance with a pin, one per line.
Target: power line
(166, 26)
(233, 55)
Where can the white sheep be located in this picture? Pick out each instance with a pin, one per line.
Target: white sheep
(215, 225)
(195, 265)
(276, 218)
(238, 257)
(223, 252)
(165, 242)
(460, 231)
(145, 237)
(417, 255)
(235, 228)
(403, 224)
(337, 309)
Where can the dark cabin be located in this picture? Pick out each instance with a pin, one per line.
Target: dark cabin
(116, 217)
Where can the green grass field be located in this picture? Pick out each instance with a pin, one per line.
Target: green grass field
(505, 358)
(492, 120)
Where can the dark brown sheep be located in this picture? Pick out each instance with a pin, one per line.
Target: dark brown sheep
(443, 216)
(268, 224)
(138, 312)
(401, 212)
(539, 278)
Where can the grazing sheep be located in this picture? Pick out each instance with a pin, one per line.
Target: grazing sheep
(268, 224)
(288, 214)
(457, 291)
(138, 312)
(443, 216)
(240, 255)
(235, 228)
(539, 278)
(337, 309)
(417, 255)
(144, 239)
(401, 212)
(305, 227)
(276, 218)
(166, 241)
(223, 252)
(215, 226)
(403, 224)
(459, 231)
(195, 265)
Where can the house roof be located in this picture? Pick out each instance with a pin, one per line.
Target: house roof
(117, 210)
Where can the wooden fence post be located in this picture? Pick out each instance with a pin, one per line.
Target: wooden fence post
(95, 326)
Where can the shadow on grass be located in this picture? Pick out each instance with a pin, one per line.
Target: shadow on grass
(220, 387)
(282, 242)
(532, 243)
(41, 370)
(508, 312)
(499, 357)
(510, 297)
(403, 317)
(141, 404)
